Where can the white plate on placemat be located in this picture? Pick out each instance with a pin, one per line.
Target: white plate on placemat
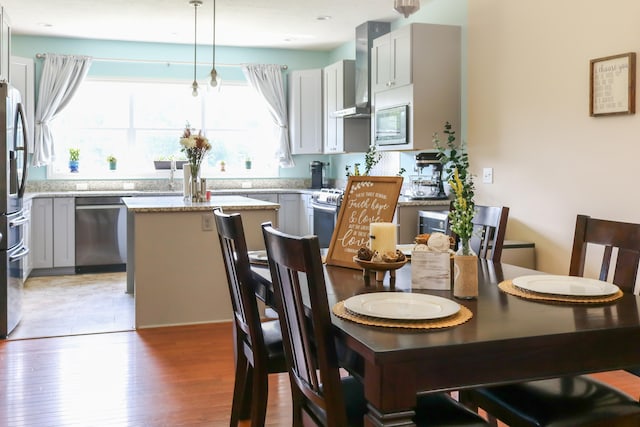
(401, 306)
(258, 257)
(565, 285)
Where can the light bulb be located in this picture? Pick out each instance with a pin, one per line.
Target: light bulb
(215, 78)
(194, 92)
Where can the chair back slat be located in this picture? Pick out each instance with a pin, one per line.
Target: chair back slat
(298, 280)
(489, 230)
(623, 236)
(240, 281)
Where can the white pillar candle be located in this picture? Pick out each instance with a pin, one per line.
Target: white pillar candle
(383, 237)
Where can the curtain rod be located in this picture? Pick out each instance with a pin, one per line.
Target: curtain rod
(156, 61)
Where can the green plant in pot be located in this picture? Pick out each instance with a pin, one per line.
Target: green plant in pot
(74, 159)
(113, 162)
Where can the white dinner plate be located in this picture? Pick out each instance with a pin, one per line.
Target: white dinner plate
(401, 306)
(259, 257)
(565, 285)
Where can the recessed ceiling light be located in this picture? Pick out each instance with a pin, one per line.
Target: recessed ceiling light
(323, 18)
(45, 24)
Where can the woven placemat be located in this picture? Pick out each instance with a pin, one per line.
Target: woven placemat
(456, 319)
(508, 287)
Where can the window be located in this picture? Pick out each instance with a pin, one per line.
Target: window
(139, 122)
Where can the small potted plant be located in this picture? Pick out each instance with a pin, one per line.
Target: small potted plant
(113, 162)
(74, 159)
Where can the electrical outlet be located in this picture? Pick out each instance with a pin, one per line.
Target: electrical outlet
(128, 186)
(82, 186)
(487, 175)
(246, 184)
(207, 222)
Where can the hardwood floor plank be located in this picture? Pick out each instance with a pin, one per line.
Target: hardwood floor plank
(177, 376)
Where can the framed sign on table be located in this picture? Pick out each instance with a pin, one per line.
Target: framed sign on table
(366, 199)
(613, 85)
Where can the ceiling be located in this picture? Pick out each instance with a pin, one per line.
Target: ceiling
(291, 24)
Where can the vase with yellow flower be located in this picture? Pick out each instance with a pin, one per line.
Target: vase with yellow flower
(195, 147)
(455, 160)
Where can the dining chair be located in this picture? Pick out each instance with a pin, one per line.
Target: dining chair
(489, 229)
(320, 394)
(258, 345)
(579, 400)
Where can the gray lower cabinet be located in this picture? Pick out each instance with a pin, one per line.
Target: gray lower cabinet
(289, 212)
(53, 232)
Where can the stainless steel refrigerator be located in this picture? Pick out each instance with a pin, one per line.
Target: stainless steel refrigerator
(13, 248)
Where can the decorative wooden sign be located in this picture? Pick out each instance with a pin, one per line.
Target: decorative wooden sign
(367, 199)
(613, 85)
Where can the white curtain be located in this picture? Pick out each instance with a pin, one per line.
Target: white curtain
(61, 77)
(267, 80)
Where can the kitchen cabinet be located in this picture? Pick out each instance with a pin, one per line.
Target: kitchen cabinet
(289, 211)
(342, 135)
(391, 60)
(53, 233)
(306, 215)
(5, 45)
(22, 77)
(419, 65)
(42, 233)
(26, 229)
(305, 111)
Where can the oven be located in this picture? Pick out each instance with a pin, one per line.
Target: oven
(326, 205)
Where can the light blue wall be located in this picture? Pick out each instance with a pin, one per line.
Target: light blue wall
(29, 46)
(451, 12)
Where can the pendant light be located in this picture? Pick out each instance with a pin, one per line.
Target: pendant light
(406, 7)
(196, 4)
(215, 77)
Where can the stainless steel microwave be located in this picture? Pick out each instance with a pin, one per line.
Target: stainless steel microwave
(391, 125)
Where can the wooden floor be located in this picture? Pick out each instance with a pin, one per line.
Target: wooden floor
(177, 376)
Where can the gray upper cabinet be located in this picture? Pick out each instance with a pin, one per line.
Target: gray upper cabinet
(419, 65)
(391, 60)
(305, 111)
(342, 135)
(22, 77)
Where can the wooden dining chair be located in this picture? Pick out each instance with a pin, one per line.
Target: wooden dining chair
(321, 396)
(258, 345)
(579, 400)
(489, 229)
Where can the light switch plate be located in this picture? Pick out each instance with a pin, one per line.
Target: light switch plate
(207, 222)
(487, 175)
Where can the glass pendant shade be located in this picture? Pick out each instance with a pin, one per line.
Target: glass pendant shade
(215, 77)
(406, 7)
(195, 4)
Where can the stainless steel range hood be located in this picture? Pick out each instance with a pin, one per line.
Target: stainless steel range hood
(365, 34)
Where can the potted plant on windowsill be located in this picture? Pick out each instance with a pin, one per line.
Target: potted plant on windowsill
(74, 159)
(113, 162)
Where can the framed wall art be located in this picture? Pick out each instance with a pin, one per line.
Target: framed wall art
(613, 85)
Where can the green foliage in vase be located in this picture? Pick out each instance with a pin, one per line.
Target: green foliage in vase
(455, 160)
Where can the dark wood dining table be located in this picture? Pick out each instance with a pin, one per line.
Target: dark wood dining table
(508, 339)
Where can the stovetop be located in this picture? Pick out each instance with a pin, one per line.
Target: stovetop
(328, 196)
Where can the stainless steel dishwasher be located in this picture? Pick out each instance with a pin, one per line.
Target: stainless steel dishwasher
(101, 234)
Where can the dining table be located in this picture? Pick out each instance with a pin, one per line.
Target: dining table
(506, 339)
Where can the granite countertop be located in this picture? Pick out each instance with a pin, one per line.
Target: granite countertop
(179, 204)
(143, 193)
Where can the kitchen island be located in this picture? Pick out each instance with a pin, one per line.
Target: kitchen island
(174, 265)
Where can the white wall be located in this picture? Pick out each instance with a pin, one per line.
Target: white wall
(528, 117)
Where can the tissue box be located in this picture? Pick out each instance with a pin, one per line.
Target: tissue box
(431, 270)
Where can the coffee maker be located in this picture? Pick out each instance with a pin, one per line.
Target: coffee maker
(427, 184)
(317, 173)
